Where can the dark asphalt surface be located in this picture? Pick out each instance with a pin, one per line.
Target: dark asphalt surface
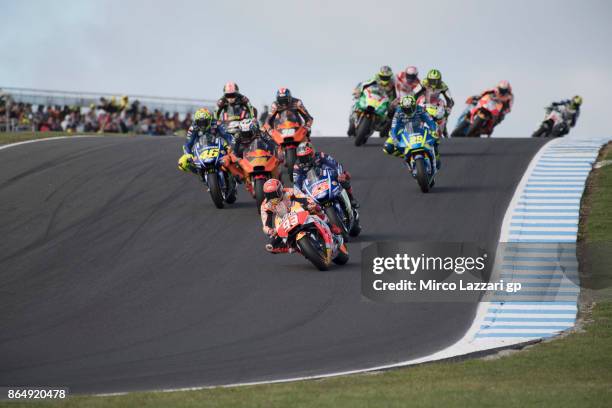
(117, 273)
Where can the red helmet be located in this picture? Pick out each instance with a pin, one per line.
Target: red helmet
(283, 96)
(504, 88)
(273, 189)
(230, 90)
(412, 73)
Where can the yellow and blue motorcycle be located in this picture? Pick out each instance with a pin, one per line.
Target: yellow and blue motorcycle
(207, 159)
(417, 146)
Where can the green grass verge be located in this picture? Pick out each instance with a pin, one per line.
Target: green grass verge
(575, 370)
(14, 137)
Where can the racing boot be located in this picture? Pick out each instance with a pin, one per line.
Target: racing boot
(352, 199)
(277, 246)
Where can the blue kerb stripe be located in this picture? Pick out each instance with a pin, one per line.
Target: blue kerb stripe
(506, 335)
(538, 293)
(530, 319)
(538, 268)
(551, 285)
(574, 198)
(530, 311)
(536, 210)
(518, 277)
(546, 224)
(545, 217)
(565, 249)
(542, 240)
(543, 302)
(547, 186)
(526, 327)
(539, 258)
(543, 233)
(526, 204)
(556, 175)
(576, 191)
(580, 180)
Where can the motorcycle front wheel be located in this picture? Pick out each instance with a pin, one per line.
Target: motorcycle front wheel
(259, 193)
(308, 249)
(475, 127)
(215, 189)
(421, 174)
(363, 131)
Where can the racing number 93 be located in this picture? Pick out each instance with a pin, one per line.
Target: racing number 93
(289, 221)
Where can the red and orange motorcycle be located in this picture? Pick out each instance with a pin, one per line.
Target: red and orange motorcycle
(259, 163)
(310, 236)
(481, 119)
(288, 132)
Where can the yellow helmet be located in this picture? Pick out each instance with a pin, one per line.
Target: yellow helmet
(203, 118)
(577, 101)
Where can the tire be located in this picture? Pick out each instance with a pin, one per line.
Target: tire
(355, 229)
(460, 130)
(421, 176)
(475, 127)
(290, 157)
(542, 130)
(233, 191)
(363, 131)
(335, 220)
(308, 250)
(215, 189)
(259, 193)
(341, 258)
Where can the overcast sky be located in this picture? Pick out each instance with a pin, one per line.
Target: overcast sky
(548, 50)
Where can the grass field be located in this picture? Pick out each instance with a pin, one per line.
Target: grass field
(575, 370)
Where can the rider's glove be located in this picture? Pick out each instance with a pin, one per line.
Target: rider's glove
(342, 177)
(185, 162)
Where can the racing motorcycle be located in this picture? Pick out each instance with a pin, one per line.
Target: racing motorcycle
(371, 114)
(221, 184)
(231, 118)
(417, 145)
(436, 108)
(288, 132)
(554, 124)
(323, 187)
(481, 119)
(259, 164)
(310, 236)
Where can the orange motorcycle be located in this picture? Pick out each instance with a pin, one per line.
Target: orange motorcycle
(259, 164)
(288, 132)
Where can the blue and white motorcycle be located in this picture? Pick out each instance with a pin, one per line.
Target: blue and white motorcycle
(207, 159)
(417, 145)
(323, 187)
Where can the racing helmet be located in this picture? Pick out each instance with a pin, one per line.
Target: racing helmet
(203, 118)
(576, 101)
(408, 104)
(412, 73)
(283, 96)
(305, 153)
(231, 92)
(273, 189)
(248, 127)
(434, 78)
(384, 75)
(504, 88)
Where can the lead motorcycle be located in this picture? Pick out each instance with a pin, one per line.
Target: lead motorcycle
(310, 236)
(208, 155)
(323, 187)
(259, 163)
(417, 144)
(370, 114)
(288, 132)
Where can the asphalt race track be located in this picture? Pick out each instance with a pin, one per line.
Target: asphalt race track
(117, 273)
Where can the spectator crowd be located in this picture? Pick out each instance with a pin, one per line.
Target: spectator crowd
(113, 115)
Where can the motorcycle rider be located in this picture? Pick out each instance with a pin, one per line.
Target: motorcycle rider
(204, 125)
(248, 130)
(433, 86)
(285, 101)
(570, 109)
(308, 158)
(232, 98)
(502, 93)
(407, 82)
(409, 111)
(384, 80)
(277, 202)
